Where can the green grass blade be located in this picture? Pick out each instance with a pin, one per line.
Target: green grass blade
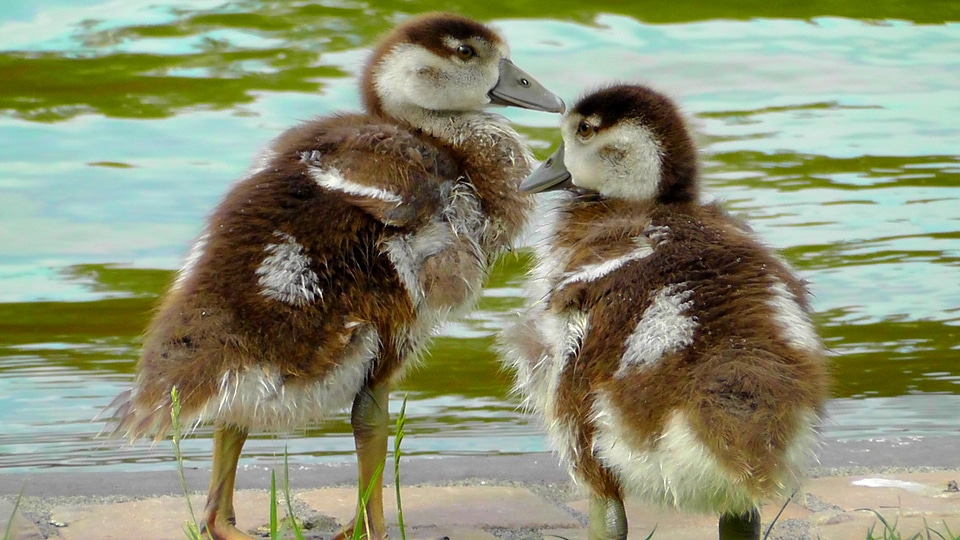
(192, 532)
(8, 533)
(297, 531)
(890, 531)
(273, 506)
(780, 513)
(192, 529)
(887, 528)
(397, 439)
(929, 531)
(358, 533)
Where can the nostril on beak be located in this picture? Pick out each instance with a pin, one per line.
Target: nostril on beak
(525, 83)
(548, 163)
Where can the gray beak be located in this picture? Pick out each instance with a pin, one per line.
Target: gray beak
(551, 174)
(518, 89)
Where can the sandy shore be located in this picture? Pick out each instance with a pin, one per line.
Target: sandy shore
(520, 496)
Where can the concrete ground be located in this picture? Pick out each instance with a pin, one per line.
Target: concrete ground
(911, 482)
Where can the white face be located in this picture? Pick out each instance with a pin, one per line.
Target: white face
(621, 161)
(411, 77)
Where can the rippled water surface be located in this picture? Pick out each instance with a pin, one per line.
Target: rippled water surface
(834, 130)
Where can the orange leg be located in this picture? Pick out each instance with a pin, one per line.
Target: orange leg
(219, 521)
(370, 419)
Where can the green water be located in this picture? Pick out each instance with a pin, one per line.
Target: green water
(832, 126)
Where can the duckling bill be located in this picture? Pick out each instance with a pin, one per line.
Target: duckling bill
(670, 353)
(319, 278)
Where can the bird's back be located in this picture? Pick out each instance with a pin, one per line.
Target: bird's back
(309, 268)
(682, 342)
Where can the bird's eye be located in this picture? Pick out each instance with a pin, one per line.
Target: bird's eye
(466, 52)
(585, 130)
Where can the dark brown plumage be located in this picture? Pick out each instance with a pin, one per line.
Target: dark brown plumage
(320, 277)
(670, 352)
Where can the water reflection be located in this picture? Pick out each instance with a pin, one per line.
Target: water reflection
(789, 171)
(829, 126)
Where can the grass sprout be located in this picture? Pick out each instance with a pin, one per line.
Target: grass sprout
(8, 532)
(297, 530)
(362, 516)
(397, 439)
(191, 528)
(890, 530)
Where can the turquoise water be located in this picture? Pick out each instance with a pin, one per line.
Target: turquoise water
(833, 129)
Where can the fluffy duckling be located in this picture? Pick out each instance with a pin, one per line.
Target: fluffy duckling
(670, 353)
(320, 276)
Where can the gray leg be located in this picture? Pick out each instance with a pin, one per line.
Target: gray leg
(608, 520)
(745, 526)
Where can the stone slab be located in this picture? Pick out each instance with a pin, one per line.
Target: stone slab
(161, 518)
(21, 527)
(642, 519)
(697, 533)
(449, 506)
(579, 533)
(897, 494)
(857, 525)
(481, 511)
(440, 533)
